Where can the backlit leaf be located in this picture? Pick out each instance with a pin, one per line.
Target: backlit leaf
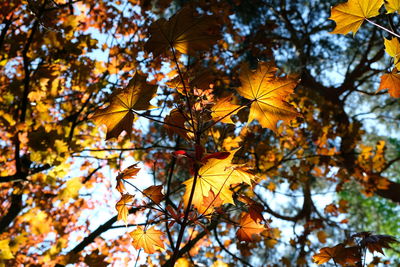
(216, 175)
(350, 15)
(249, 228)
(183, 31)
(149, 240)
(154, 193)
(118, 115)
(122, 208)
(223, 110)
(268, 93)
(339, 254)
(391, 81)
(392, 47)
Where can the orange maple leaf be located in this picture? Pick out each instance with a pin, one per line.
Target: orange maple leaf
(391, 81)
(249, 228)
(118, 116)
(183, 31)
(154, 193)
(149, 240)
(339, 254)
(268, 93)
(128, 173)
(350, 15)
(122, 208)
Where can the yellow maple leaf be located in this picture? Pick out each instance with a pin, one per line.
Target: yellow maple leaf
(5, 252)
(391, 81)
(122, 208)
(183, 31)
(392, 47)
(392, 6)
(224, 109)
(350, 15)
(149, 240)
(216, 175)
(268, 93)
(118, 116)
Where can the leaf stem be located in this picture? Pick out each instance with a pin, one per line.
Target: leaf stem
(383, 28)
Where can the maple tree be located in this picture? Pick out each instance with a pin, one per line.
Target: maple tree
(217, 133)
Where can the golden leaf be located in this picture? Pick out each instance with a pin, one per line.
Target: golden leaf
(149, 240)
(350, 15)
(392, 47)
(216, 175)
(118, 115)
(392, 6)
(268, 93)
(122, 208)
(223, 110)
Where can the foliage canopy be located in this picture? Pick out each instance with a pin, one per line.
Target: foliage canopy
(199, 133)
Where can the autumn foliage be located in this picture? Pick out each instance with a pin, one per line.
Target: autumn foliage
(196, 133)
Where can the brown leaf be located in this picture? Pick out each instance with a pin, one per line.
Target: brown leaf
(185, 32)
(375, 242)
(154, 193)
(339, 254)
(128, 173)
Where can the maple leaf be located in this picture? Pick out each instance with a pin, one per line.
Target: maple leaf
(350, 15)
(391, 81)
(375, 242)
(128, 173)
(249, 228)
(223, 110)
(122, 208)
(184, 32)
(216, 175)
(118, 115)
(268, 93)
(339, 254)
(392, 6)
(149, 240)
(392, 47)
(154, 193)
(175, 123)
(210, 202)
